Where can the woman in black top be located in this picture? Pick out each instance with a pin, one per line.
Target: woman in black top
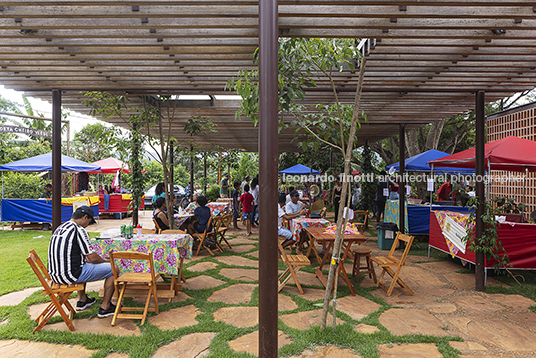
(336, 197)
(160, 215)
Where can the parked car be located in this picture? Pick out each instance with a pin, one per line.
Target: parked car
(179, 192)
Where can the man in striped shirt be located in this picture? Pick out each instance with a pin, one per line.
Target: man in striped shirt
(71, 260)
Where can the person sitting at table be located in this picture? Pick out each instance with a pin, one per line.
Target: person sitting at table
(71, 260)
(295, 205)
(160, 215)
(193, 204)
(48, 192)
(102, 190)
(281, 214)
(203, 215)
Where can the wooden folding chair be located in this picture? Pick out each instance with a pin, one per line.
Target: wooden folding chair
(202, 238)
(138, 281)
(156, 227)
(390, 262)
(171, 231)
(59, 294)
(323, 212)
(294, 263)
(360, 224)
(220, 232)
(316, 207)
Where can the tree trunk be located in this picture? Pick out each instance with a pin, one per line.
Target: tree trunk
(432, 140)
(339, 235)
(412, 142)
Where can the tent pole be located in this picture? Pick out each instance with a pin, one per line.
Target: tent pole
(523, 207)
(56, 159)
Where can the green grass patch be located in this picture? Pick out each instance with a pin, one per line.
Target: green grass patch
(16, 244)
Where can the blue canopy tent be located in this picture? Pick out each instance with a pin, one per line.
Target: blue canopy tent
(418, 217)
(300, 169)
(43, 162)
(23, 210)
(419, 163)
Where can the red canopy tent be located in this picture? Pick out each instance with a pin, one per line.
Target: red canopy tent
(111, 165)
(510, 153)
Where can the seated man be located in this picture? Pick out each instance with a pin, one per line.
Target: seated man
(48, 192)
(72, 260)
(295, 205)
(282, 215)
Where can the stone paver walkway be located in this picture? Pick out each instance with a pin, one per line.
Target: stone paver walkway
(444, 304)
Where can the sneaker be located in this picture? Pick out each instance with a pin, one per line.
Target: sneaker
(80, 306)
(106, 313)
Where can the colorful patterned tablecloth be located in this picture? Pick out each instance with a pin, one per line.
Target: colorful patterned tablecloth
(167, 251)
(297, 225)
(217, 208)
(225, 200)
(459, 218)
(180, 219)
(391, 213)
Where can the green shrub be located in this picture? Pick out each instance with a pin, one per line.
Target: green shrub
(213, 193)
(23, 185)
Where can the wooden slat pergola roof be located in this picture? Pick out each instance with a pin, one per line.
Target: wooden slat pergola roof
(426, 59)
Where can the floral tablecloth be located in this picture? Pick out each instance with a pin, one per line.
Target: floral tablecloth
(167, 251)
(391, 213)
(180, 219)
(225, 200)
(217, 208)
(297, 225)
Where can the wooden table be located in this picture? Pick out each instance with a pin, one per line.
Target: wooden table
(327, 241)
(169, 252)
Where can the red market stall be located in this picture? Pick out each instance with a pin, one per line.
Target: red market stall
(117, 204)
(518, 240)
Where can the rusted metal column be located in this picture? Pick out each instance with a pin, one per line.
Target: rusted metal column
(401, 172)
(205, 173)
(170, 165)
(191, 173)
(479, 171)
(268, 157)
(56, 158)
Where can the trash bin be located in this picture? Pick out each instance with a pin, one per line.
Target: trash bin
(386, 235)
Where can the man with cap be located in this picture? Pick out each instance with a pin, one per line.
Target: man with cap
(71, 260)
(281, 231)
(295, 205)
(48, 192)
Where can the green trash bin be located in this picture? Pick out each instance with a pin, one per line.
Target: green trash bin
(383, 227)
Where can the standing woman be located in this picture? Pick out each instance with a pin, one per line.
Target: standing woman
(254, 190)
(336, 197)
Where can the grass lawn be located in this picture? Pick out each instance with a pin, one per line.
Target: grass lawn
(16, 275)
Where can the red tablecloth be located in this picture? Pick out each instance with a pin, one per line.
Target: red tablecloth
(519, 241)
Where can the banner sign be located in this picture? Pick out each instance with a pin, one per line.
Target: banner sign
(27, 131)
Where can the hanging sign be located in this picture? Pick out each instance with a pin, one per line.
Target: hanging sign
(27, 131)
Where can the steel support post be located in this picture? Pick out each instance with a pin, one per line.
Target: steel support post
(56, 158)
(268, 160)
(401, 172)
(479, 171)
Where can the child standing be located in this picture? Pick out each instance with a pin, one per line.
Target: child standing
(236, 204)
(247, 208)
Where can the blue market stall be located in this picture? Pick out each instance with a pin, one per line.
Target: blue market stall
(300, 169)
(419, 163)
(418, 216)
(40, 210)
